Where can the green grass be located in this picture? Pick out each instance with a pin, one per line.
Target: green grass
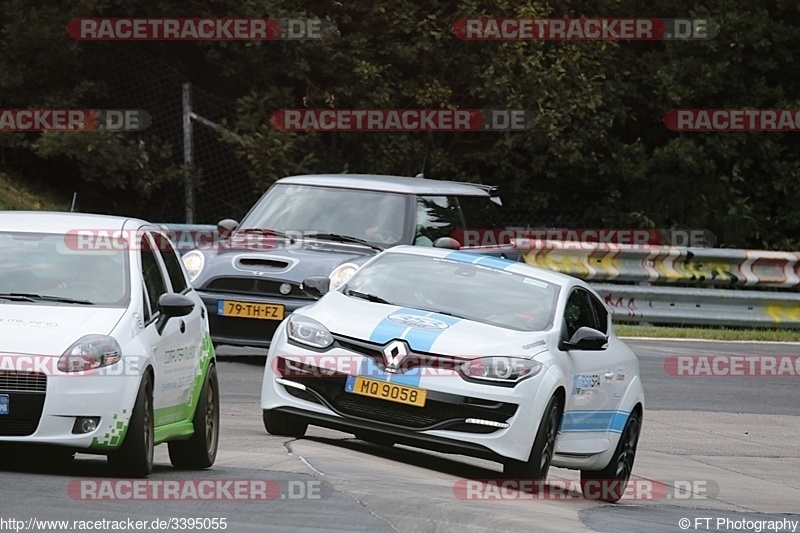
(711, 333)
(14, 195)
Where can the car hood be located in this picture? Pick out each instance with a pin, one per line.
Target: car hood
(292, 263)
(43, 329)
(422, 330)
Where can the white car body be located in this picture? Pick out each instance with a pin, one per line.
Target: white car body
(34, 335)
(600, 387)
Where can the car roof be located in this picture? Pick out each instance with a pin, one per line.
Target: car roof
(488, 261)
(61, 222)
(399, 184)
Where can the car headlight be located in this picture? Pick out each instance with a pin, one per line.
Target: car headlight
(194, 262)
(89, 352)
(341, 274)
(308, 331)
(507, 370)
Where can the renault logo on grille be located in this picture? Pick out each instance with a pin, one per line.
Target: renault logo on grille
(393, 355)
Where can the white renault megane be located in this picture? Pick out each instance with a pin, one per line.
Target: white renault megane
(104, 345)
(462, 353)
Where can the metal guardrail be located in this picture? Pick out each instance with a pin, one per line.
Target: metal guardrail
(697, 285)
(666, 264)
(708, 307)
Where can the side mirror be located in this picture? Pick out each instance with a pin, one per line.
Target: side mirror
(226, 226)
(586, 339)
(316, 286)
(172, 305)
(446, 242)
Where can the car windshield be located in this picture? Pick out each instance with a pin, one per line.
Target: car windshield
(376, 217)
(479, 292)
(471, 220)
(47, 268)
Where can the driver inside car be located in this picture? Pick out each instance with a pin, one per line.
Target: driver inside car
(92, 279)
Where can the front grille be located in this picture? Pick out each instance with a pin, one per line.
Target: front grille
(253, 286)
(445, 411)
(411, 361)
(17, 428)
(243, 329)
(11, 380)
(24, 411)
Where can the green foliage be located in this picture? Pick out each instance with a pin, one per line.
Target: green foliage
(597, 153)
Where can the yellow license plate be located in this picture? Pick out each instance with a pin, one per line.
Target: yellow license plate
(250, 310)
(386, 391)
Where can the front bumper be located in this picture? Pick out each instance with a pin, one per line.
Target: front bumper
(238, 331)
(440, 425)
(47, 415)
(399, 435)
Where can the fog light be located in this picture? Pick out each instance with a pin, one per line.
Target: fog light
(85, 424)
(491, 423)
(285, 288)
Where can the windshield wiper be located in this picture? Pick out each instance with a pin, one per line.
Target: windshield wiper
(264, 231)
(32, 297)
(368, 297)
(448, 313)
(337, 237)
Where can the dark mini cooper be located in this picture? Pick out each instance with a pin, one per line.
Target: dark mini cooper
(322, 228)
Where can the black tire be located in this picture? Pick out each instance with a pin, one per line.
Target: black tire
(135, 457)
(277, 423)
(608, 485)
(379, 439)
(538, 463)
(200, 451)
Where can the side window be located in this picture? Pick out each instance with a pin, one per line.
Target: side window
(170, 258)
(601, 313)
(437, 216)
(151, 272)
(579, 312)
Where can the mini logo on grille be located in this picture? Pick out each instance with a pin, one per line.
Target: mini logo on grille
(393, 354)
(416, 321)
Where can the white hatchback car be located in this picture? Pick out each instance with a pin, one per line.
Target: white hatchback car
(462, 353)
(104, 345)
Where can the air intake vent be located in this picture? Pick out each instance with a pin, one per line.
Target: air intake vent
(263, 264)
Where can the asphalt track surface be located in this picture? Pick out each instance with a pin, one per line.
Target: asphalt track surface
(721, 452)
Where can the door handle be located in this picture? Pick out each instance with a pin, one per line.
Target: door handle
(608, 375)
(183, 328)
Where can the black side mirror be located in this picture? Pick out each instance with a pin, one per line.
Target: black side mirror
(172, 305)
(446, 242)
(226, 226)
(316, 286)
(586, 339)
